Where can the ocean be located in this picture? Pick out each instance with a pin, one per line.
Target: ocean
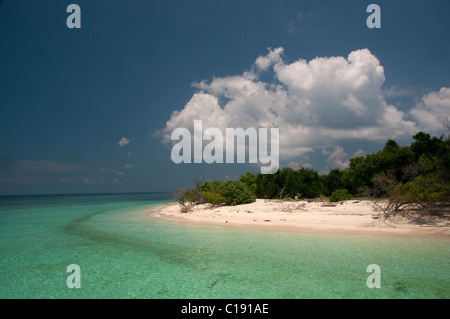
(121, 251)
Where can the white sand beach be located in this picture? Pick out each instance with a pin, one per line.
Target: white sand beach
(307, 216)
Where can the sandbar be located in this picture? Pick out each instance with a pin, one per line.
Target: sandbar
(350, 216)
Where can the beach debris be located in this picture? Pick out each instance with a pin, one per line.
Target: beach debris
(267, 220)
(328, 205)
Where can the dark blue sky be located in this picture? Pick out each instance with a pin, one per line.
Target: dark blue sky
(68, 96)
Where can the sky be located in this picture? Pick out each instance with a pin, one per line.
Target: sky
(92, 109)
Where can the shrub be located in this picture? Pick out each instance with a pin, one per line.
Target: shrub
(427, 191)
(188, 198)
(236, 193)
(214, 199)
(340, 194)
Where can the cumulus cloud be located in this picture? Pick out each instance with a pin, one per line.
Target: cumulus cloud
(358, 153)
(297, 165)
(264, 62)
(338, 159)
(293, 165)
(124, 141)
(316, 104)
(433, 111)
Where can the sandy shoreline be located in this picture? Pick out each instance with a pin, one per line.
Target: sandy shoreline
(353, 216)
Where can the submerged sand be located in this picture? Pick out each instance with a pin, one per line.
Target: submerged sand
(311, 216)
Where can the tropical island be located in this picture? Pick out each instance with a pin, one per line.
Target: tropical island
(400, 189)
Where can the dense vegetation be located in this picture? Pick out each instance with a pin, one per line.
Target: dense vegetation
(416, 175)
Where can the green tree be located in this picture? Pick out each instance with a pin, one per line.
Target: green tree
(290, 181)
(250, 180)
(303, 181)
(359, 173)
(332, 181)
(236, 193)
(267, 185)
(311, 183)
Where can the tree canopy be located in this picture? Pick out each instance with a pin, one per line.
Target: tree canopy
(418, 173)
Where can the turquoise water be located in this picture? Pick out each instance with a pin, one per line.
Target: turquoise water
(123, 252)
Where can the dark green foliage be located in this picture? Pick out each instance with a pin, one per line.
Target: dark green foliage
(214, 199)
(359, 174)
(340, 194)
(250, 181)
(303, 181)
(419, 173)
(391, 158)
(212, 193)
(228, 193)
(422, 189)
(211, 186)
(332, 181)
(291, 181)
(414, 177)
(267, 185)
(310, 183)
(236, 193)
(425, 144)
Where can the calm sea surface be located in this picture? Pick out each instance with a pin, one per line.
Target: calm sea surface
(122, 252)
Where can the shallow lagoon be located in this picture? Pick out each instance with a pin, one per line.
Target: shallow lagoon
(125, 253)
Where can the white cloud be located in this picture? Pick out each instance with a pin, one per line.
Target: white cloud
(264, 62)
(316, 104)
(396, 91)
(359, 152)
(433, 111)
(297, 165)
(124, 141)
(293, 165)
(338, 159)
